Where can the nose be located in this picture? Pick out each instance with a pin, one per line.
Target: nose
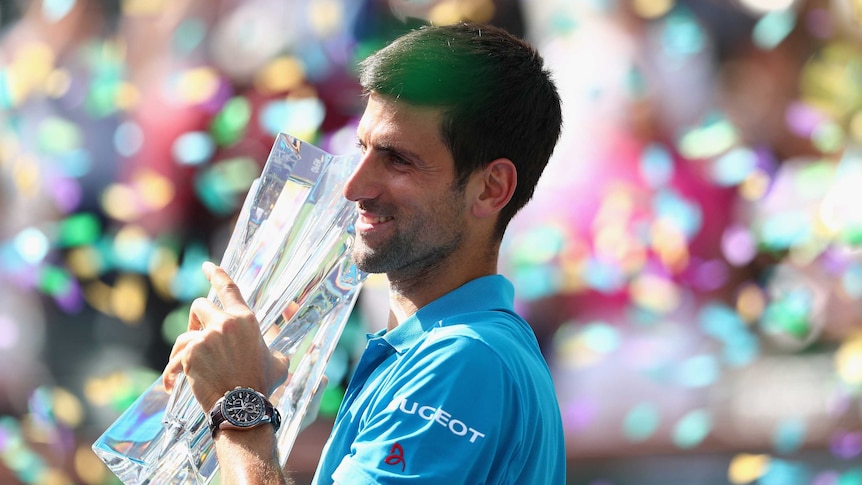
(362, 184)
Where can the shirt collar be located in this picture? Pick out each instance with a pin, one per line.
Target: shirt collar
(492, 292)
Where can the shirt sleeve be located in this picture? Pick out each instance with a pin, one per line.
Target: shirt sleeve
(443, 423)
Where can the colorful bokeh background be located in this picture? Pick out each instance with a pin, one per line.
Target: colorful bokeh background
(691, 260)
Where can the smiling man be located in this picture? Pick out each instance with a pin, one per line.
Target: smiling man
(460, 122)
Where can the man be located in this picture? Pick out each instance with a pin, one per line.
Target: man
(460, 123)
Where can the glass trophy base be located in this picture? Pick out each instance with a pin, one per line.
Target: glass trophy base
(140, 449)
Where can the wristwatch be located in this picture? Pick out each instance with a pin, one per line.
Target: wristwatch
(242, 408)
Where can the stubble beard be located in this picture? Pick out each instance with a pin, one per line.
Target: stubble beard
(417, 246)
(401, 257)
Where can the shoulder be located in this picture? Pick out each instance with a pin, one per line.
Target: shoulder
(489, 349)
(501, 334)
(467, 349)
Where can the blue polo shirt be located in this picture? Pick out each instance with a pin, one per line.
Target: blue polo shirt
(457, 393)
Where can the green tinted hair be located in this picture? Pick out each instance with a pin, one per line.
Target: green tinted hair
(497, 98)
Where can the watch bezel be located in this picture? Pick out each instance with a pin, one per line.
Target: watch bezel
(259, 399)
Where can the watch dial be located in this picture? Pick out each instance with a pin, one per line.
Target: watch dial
(243, 407)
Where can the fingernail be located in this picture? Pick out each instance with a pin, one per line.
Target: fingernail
(208, 266)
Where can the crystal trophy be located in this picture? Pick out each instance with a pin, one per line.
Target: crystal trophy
(289, 254)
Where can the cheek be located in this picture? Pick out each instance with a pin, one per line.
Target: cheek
(452, 208)
(426, 200)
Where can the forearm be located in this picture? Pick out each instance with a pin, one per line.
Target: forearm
(249, 457)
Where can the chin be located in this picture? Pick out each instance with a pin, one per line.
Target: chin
(362, 258)
(367, 266)
(370, 262)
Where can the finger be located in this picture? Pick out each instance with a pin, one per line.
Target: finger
(182, 342)
(172, 372)
(169, 378)
(175, 361)
(226, 290)
(201, 312)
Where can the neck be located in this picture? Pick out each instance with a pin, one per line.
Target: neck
(410, 292)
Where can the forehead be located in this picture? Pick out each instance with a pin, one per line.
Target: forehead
(386, 121)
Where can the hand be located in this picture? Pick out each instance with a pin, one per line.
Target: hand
(223, 348)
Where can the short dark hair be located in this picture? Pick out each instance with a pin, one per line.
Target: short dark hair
(498, 99)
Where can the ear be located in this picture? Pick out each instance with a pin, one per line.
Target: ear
(495, 185)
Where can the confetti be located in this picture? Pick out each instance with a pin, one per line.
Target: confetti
(300, 116)
(641, 422)
(691, 429)
(681, 36)
(652, 8)
(189, 35)
(781, 472)
(745, 468)
(229, 124)
(79, 229)
(193, 148)
(32, 245)
(773, 28)
(789, 435)
(128, 139)
(733, 167)
(698, 371)
(222, 186)
(656, 165)
(848, 361)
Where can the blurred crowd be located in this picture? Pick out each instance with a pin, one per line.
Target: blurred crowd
(690, 261)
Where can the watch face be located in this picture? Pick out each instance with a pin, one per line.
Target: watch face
(243, 407)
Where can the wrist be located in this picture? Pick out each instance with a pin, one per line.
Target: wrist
(251, 435)
(249, 456)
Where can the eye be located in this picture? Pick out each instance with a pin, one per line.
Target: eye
(396, 160)
(360, 146)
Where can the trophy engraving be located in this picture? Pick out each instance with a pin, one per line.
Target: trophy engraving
(289, 255)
